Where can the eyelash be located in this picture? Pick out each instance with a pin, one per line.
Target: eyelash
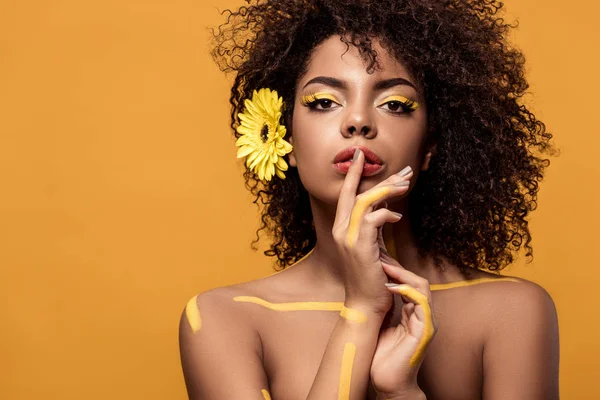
(311, 101)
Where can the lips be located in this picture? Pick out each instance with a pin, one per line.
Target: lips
(347, 154)
(343, 161)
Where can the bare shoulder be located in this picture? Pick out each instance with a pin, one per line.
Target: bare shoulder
(512, 300)
(221, 302)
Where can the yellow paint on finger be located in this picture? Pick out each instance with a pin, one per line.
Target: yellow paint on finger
(353, 314)
(450, 285)
(346, 371)
(359, 209)
(266, 394)
(192, 314)
(423, 301)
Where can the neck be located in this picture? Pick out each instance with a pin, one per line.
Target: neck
(326, 265)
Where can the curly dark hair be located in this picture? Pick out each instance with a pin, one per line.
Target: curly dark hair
(471, 205)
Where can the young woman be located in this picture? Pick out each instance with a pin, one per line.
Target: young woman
(396, 165)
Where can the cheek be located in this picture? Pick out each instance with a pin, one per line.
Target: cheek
(314, 148)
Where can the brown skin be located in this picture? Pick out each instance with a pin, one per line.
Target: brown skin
(493, 341)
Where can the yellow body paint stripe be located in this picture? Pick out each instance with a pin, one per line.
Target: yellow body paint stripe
(348, 313)
(359, 209)
(192, 314)
(423, 301)
(346, 371)
(353, 315)
(450, 285)
(266, 394)
(295, 306)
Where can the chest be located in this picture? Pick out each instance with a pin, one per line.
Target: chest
(294, 344)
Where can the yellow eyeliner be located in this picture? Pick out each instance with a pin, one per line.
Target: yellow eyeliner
(346, 371)
(309, 98)
(359, 209)
(412, 104)
(193, 314)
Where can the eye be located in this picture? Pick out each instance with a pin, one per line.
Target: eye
(324, 103)
(319, 101)
(400, 104)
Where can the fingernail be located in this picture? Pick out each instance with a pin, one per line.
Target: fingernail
(390, 284)
(405, 171)
(356, 153)
(397, 214)
(402, 183)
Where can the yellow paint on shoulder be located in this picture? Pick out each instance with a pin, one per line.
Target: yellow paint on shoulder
(193, 314)
(359, 209)
(423, 301)
(346, 371)
(443, 286)
(348, 313)
(295, 306)
(266, 394)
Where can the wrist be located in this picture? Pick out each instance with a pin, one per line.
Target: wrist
(411, 394)
(362, 308)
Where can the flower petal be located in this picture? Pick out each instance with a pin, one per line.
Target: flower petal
(280, 174)
(244, 151)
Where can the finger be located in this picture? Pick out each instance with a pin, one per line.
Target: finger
(400, 179)
(364, 204)
(402, 275)
(421, 301)
(349, 187)
(373, 222)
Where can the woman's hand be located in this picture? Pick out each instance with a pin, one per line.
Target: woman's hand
(401, 349)
(356, 234)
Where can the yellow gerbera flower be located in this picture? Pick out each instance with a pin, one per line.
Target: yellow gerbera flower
(262, 135)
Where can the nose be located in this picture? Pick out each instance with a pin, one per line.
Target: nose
(358, 120)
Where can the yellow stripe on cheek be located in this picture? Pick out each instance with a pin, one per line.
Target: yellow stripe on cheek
(359, 209)
(266, 394)
(423, 301)
(193, 314)
(346, 371)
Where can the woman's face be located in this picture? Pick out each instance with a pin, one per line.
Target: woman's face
(339, 105)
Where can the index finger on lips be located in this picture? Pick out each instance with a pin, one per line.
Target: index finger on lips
(349, 187)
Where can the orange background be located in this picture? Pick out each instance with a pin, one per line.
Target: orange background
(122, 198)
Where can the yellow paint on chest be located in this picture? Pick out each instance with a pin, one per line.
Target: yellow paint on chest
(346, 371)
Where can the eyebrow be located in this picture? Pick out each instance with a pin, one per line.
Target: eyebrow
(380, 85)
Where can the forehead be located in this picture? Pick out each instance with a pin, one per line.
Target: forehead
(334, 58)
